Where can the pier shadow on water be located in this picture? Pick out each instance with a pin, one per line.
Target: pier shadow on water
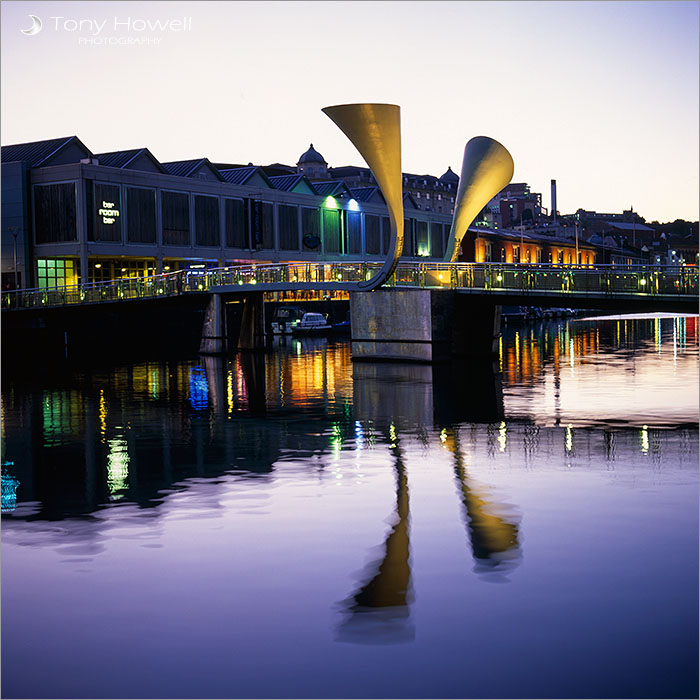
(428, 395)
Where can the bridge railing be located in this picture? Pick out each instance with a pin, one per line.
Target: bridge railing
(522, 278)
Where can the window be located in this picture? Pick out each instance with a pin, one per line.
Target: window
(56, 273)
(288, 227)
(235, 224)
(409, 244)
(175, 210)
(372, 234)
(331, 230)
(560, 257)
(516, 253)
(140, 215)
(488, 251)
(503, 254)
(549, 257)
(538, 255)
(386, 234)
(436, 250)
(206, 221)
(55, 213)
(570, 258)
(261, 225)
(354, 233)
(422, 240)
(528, 256)
(580, 258)
(311, 229)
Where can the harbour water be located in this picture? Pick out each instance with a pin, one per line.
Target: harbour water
(295, 525)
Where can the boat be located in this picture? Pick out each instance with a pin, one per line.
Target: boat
(311, 324)
(285, 318)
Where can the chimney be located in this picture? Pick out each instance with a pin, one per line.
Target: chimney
(554, 201)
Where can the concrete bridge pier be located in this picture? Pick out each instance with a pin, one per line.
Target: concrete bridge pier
(422, 325)
(252, 335)
(214, 341)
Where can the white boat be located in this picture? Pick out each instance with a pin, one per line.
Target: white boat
(311, 324)
(286, 318)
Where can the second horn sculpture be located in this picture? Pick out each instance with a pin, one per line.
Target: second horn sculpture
(487, 168)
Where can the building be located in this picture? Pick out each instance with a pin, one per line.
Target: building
(511, 246)
(70, 215)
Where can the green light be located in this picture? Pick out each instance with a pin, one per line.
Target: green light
(330, 203)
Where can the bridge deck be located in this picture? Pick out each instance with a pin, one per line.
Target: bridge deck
(524, 284)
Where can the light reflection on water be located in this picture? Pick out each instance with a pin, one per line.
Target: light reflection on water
(326, 517)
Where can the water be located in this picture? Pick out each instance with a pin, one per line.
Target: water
(298, 526)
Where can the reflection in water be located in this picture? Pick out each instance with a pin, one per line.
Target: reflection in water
(117, 466)
(240, 474)
(378, 613)
(9, 489)
(493, 537)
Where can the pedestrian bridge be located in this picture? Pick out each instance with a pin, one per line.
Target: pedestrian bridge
(600, 286)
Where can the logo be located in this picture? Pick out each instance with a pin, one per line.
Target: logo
(35, 28)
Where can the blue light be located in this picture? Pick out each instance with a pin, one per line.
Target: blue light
(199, 389)
(8, 500)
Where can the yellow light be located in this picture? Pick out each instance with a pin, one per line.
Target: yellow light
(502, 437)
(499, 277)
(123, 269)
(98, 265)
(642, 281)
(166, 268)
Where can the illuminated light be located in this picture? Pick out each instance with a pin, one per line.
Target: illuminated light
(98, 265)
(392, 435)
(499, 277)
(9, 489)
(330, 202)
(443, 436)
(294, 278)
(440, 276)
(166, 268)
(201, 286)
(644, 437)
(108, 212)
(569, 438)
(253, 281)
(199, 389)
(353, 205)
(117, 465)
(502, 439)
(123, 269)
(240, 281)
(642, 281)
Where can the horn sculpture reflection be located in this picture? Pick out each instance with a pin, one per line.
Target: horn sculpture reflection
(487, 168)
(375, 130)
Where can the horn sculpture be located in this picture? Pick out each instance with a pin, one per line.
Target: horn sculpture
(487, 168)
(375, 130)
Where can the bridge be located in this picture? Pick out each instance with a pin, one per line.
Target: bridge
(600, 286)
(424, 312)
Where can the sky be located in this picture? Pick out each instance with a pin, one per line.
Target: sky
(601, 96)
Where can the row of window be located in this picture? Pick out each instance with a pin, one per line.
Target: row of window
(584, 257)
(248, 224)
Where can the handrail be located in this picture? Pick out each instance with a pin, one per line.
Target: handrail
(525, 278)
